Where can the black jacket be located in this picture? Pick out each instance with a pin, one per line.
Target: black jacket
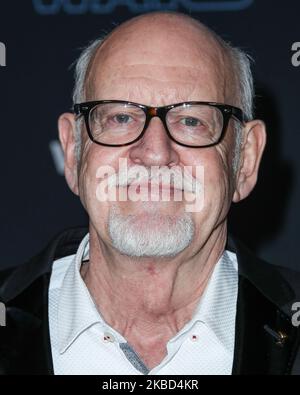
(266, 341)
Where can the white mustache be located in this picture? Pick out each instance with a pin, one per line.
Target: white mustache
(174, 177)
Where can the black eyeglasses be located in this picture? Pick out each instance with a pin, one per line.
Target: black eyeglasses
(117, 123)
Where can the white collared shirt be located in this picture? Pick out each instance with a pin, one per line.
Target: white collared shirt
(83, 343)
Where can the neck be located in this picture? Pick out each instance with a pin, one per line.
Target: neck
(149, 300)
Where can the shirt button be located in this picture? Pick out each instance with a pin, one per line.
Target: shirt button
(194, 338)
(108, 337)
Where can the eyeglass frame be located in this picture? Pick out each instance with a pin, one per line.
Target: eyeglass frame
(227, 111)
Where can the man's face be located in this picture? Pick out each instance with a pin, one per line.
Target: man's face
(157, 68)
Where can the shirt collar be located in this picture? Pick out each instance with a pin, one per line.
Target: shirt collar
(216, 309)
(217, 306)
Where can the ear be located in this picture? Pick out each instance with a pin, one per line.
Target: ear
(251, 154)
(66, 127)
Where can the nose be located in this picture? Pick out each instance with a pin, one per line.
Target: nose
(155, 148)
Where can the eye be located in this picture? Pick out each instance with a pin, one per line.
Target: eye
(190, 121)
(122, 118)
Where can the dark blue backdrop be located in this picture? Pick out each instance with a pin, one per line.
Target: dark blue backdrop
(42, 38)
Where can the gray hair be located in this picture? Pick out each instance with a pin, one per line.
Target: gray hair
(79, 93)
(241, 69)
(244, 93)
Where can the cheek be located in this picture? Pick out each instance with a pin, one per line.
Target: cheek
(217, 185)
(214, 163)
(85, 172)
(93, 158)
(96, 161)
(88, 183)
(219, 177)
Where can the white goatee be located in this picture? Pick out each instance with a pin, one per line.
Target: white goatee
(150, 235)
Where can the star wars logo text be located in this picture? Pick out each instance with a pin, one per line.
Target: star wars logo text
(80, 7)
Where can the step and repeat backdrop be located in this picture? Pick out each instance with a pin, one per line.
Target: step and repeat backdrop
(39, 41)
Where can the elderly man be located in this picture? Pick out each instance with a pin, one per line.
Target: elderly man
(161, 141)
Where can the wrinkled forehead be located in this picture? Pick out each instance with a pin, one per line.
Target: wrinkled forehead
(155, 57)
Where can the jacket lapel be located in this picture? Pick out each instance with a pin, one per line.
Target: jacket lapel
(250, 356)
(26, 336)
(265, 340)
(25, 346)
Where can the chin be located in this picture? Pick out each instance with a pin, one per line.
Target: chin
(151, 234)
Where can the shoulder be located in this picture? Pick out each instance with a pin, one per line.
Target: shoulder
(16, 280)
(279, 284)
